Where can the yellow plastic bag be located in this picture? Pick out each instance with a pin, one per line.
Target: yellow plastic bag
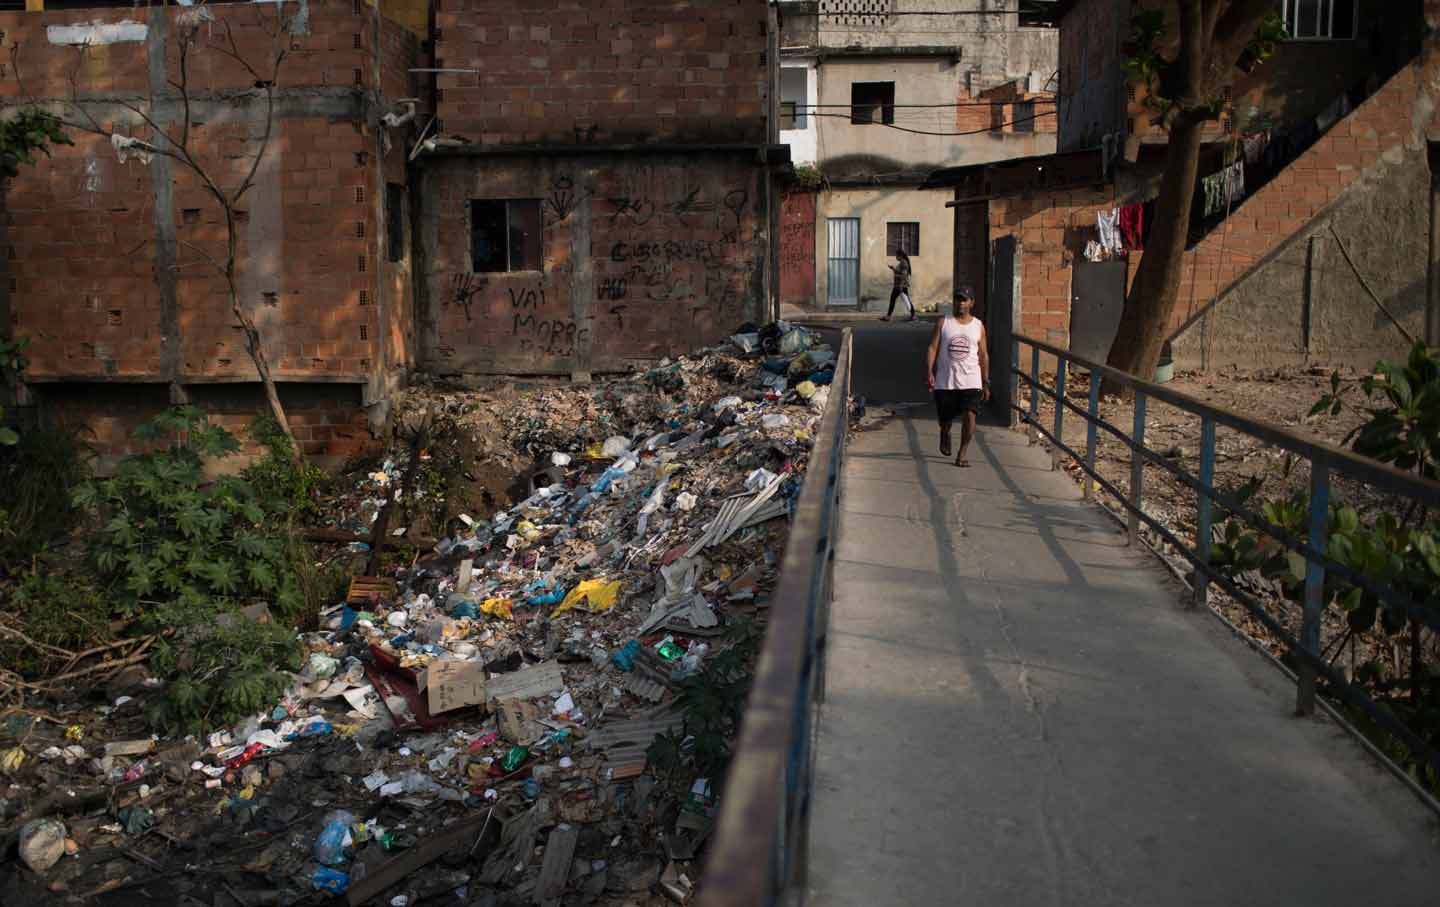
(11, 760)
(593, 595)
(498, 607)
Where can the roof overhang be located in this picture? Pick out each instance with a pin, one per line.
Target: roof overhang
(1019, 176)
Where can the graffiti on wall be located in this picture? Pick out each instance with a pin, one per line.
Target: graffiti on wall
(464, 287)
(561, 201)
(537, 334)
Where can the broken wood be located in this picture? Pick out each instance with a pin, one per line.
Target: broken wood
(555, 868)
(341, 537)
(416, 858)
(379, 535)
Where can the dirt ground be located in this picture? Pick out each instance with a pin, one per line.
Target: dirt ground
(1281, 398)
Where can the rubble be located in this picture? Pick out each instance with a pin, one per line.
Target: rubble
(483, 709)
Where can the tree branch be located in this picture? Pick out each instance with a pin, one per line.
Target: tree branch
(1233, 32)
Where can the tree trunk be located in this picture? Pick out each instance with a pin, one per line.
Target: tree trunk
(1146, 319)
(262, 366)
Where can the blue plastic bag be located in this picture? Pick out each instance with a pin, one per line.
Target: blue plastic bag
(334, 838)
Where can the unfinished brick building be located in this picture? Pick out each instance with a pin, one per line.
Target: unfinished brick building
(611, 200)
(109, 255)
(577, 192)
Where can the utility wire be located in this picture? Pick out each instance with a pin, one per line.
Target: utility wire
(995, 128)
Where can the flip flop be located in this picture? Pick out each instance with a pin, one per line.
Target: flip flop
(944, 447)
(962, 461)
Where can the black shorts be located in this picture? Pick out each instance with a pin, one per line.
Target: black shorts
(950, 404)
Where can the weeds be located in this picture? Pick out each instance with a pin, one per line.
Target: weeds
(54, 612)
(182, 556)
(278, 478)
(37, 476)
(712, 702)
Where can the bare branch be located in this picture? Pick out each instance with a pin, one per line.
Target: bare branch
(184, 87)
(212, 260)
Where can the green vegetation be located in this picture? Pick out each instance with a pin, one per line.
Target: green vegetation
(182, 555)
(1400, 550)
(712, 702)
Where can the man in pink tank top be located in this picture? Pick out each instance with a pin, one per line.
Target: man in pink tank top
(957, 368)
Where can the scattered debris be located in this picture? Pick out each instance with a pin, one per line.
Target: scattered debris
(489, 688)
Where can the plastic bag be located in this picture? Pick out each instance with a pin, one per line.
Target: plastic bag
(334, 838)
(795, 340)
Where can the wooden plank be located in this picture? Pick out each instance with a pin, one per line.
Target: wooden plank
(527, 683)
(367, 590)
(427, 852)
(555, 870)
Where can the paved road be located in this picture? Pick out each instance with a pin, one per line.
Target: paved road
(1018, 713)
(889, 358)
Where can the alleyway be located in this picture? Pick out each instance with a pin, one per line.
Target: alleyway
(1018, 713)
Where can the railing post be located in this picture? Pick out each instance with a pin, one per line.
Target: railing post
(1034, 391)
(1090, 430)
(1014, 385)
(1314, 585)
(1137, 469)
(1203, 506)
(1059, 399)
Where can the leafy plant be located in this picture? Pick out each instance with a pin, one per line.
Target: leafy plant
(184, 555)
(1269, 36)
(29, 131)
(712, 702)
(1398, 552)
(223, 666)
(1404, 406)
(52, 608)
(37, 476)
(807, 176)
(12, 363)
(279, 477)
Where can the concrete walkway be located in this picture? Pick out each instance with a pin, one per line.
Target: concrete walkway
(1019, 713)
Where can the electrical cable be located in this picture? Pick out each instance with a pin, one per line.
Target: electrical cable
(994, 128)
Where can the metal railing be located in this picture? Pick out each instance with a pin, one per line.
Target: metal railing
(1325, 460)
(758, 855)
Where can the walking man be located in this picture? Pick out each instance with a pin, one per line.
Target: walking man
(902, 284)
(957, 368)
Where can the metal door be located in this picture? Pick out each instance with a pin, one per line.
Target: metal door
(843, 274)
(1097, 299)
(1000, 319)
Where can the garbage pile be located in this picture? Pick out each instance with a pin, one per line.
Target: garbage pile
(484, 713)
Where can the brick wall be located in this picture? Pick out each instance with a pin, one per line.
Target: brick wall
(1007, 109)
(644, 257)
(110, 265)
(797, 248)
(329, 423)
(603, 71)
(1054, 228)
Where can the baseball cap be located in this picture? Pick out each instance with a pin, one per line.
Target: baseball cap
(964, 292)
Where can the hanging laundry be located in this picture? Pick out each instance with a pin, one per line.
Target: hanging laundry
(1235, 183)
(1214, 188)
(1255, 148)
(1132, 227)
(1332, 112)
(1109, 224)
